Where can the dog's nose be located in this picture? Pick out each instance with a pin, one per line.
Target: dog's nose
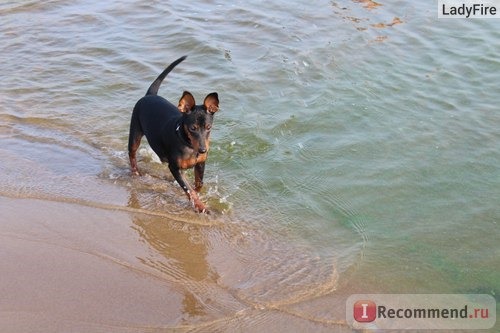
(202, 150)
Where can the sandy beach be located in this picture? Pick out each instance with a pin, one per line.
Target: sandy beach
(68, 267)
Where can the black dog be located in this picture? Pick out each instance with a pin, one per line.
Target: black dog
(178, 135)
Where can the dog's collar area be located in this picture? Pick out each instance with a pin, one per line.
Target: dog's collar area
(182, 135)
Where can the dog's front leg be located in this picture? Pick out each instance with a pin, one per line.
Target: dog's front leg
(191, 194)
(199, 170)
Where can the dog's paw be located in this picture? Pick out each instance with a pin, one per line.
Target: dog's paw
(198, 186)
(200, 207)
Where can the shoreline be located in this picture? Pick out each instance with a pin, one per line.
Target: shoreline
(70, 266)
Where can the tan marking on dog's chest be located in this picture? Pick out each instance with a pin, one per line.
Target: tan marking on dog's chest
(187, 163)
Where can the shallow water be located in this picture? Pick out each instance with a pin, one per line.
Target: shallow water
(356, 151)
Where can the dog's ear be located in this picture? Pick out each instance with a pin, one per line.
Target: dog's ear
(186, 103)
(211, 102)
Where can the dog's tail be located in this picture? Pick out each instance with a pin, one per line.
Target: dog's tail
(153, 89)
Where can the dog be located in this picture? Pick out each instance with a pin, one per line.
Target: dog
(180, 136)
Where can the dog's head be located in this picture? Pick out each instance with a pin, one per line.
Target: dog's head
(198, 119)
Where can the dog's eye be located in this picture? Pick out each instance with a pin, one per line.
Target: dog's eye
(208, 127)
(193, 128)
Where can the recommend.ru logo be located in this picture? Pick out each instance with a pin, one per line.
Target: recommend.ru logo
(421, 311)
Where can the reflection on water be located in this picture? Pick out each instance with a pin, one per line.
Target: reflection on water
(183, 257)
(232, 276)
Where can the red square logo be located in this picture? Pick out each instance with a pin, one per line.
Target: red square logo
(364, 311)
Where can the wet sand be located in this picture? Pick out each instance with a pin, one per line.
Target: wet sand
(67, 267)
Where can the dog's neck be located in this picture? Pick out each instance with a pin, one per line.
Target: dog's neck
(179, 129)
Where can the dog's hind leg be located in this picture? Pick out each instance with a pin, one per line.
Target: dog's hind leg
(134, 140)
